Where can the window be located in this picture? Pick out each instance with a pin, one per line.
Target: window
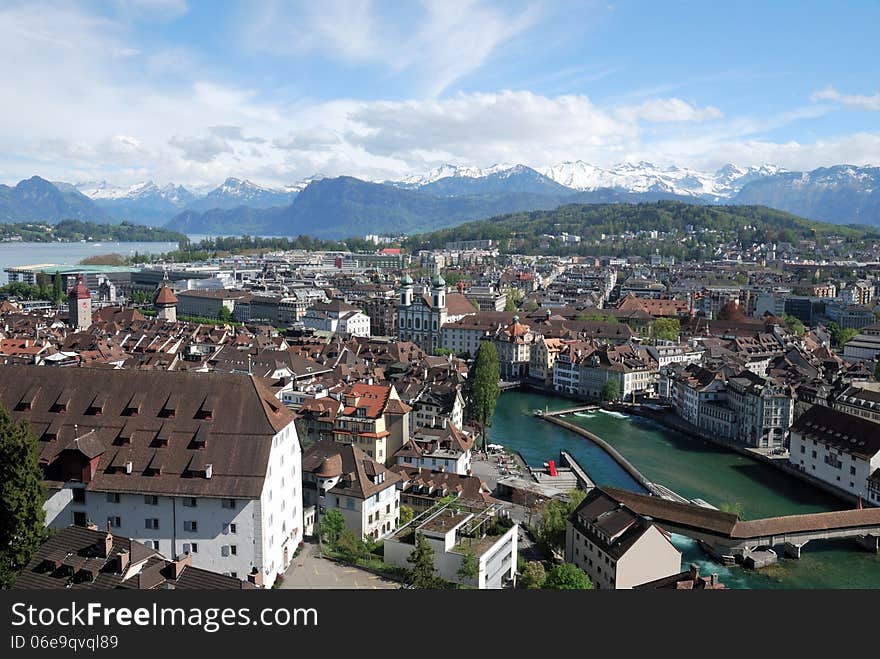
(803, 449)
(230, 503)
(229, 550)
(191, 525)
(151, 523)
(189, 502)
(151, 500)
(79, 495)
(112, 497)
(190, 548)
(852, 471)
(233, 528)
(152, 544)
(114, 521)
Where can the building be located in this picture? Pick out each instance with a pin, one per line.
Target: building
(79, 301)
(370, 416)
(165, 304)
(488, 298)
(442, 449)
(864, 346)
(688, 580)
(456, 531)
(514, 346)
(839, 449)
(764, 409)
(617, 547)
(80, 558)
(463, 336)
(420, 318)
(422, 488)
(337, 317)
(343, 477)
(210, 303)
(542, 359)
(181, 462)
(860, 402)
(435, 406)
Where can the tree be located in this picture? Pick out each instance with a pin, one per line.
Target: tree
(568, 577)
(225, 315)
(57, 293)
(533, 575)
(551, 531)
(332, 526)
(350, 546)
(734, 508)
(509, 303)
(484, 389)
(611, 390)
(421, 575)
(666, 329)
(469, 569)
(795, 325)
(22, 494)
(43, 286)
(406, 515)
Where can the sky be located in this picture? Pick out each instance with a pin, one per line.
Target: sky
(193, 91)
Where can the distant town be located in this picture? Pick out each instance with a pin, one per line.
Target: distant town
(295, 418)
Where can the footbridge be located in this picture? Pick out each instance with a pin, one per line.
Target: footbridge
(724, 534)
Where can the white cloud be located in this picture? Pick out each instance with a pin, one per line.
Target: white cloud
(857, 101)
(201, 149)
(152, 10)
(667, 110)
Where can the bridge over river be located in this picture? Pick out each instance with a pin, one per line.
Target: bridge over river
(725, 535)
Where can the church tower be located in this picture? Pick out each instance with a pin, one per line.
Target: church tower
(438, 292)
(165, 302)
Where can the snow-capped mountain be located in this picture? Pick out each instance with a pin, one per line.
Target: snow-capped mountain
(448, 170)
(235, 192)
(643, 177)
(175, 194)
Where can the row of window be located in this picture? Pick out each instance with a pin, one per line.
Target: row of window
(79, 496)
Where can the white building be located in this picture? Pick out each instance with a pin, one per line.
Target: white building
(343, 477)
(337, 317)
(839, 449)
(617, 547)
(438, 448)
(181, 462)
(454, 532)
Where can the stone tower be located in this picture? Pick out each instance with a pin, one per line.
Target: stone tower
(79, 302)
(165, 302)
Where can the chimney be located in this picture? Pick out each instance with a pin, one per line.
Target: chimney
(209, 470)
(256, 578)
(178, 566)
(122, 559)
(713, 580)
(108, 542)
(128, 466)
(695, 572)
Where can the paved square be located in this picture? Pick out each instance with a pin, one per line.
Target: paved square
(310, 571)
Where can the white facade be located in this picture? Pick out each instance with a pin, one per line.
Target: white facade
(225, 535)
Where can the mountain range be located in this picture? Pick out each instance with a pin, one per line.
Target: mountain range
(450, 194)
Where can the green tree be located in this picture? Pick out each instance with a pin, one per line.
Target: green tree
(795, 325)
(568, 577)
(57, 293)
(406, 515)
(611, 390)
(225, 315)
(43, 286)
(469, 569)
(351, 547)
(595, 317)
(421, 575)
(533, 575)
(531, 305)
(666, 329)
(551, 529)
(734, 508)
(22, 494)
(332, 526)
(509, 303)
(484, 389)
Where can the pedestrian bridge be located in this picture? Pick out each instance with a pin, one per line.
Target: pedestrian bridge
(726, 534)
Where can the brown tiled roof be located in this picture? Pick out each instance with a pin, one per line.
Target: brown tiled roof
(227, 420)
(165, 296)
(357, 468)
(849, 433)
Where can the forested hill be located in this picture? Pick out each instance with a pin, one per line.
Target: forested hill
(527, 232)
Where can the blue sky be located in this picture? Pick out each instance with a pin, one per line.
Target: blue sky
(193, 92)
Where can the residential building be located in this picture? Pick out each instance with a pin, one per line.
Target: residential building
(422, 488)
(441, 449)
(617, 547)
(861, 402)
(210, 303)
(182, 462)
(763, 408)
(514, 346)
(343, 477)
(840, 449)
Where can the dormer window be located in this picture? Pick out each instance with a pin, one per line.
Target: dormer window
(169, 409)
(62, 403)
(99, 402)
(27, 401)
(134, 406)
(200, 439)
(206, 411)
(162, 436)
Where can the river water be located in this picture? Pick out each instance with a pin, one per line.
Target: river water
(692, 468)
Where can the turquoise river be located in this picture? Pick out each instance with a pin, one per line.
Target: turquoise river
(693, 468)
